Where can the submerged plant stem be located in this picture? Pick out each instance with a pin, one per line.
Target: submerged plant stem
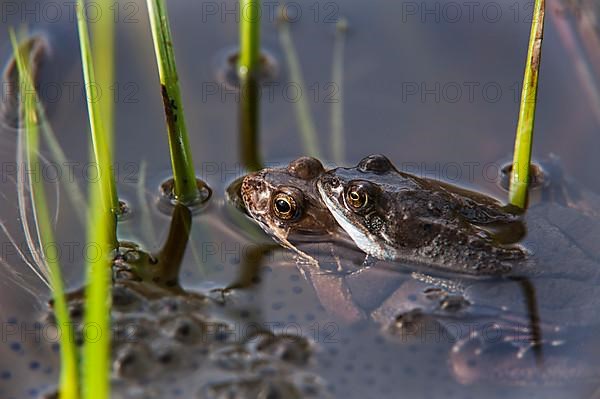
(523, 141)
(249, 60)
(69, 378)
(302, 108)
(184, 176)
(249, 122)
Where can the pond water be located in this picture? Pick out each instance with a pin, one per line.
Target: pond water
(433, 85)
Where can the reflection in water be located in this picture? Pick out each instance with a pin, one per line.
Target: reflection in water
(38, 50)
(533, 313)
(338, 145)
(249, 122)
(171, 254)
(251, 266)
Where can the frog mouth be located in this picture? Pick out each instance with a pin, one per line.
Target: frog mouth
(277, 233)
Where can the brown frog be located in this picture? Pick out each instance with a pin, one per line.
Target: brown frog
(285, 203)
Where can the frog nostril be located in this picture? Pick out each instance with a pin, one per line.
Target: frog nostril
(334, 182)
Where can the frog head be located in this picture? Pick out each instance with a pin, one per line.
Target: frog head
(285, 202)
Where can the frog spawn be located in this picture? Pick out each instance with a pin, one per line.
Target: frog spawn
(170, 343)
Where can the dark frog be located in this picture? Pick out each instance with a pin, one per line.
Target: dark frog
(392, 215)
(542, 314)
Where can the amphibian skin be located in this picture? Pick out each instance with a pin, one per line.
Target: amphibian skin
(285, 203)
(396, 216)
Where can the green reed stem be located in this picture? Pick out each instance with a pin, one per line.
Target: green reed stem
(96, 348)
(302, 108)
(248, 73)
(184, 176)
(103, 44)
(101, 233)
(249, 60)
(100, 136)
(524, 138)
(69, 378)
(337, 109)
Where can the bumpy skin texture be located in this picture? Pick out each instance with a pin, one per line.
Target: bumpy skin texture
(408, 218)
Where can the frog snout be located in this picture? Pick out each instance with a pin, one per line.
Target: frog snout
(250, 184)
(253, 191)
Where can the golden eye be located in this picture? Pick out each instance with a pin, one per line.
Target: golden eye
(357, 197)
(285, 206)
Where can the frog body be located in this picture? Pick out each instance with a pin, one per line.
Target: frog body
(392, 215)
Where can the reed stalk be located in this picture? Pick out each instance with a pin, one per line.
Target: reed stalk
(103, 44)
(101, 231)
(69, 377)
(524, 137)
(100, 136)
(185, 189)
(96, 347)
(249, 59)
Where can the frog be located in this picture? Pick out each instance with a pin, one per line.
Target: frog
(396, 216)
(285, 203)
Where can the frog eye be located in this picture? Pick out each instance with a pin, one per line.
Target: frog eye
(377, 163)
(285, 206)
(357, 196)
(306, 168)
